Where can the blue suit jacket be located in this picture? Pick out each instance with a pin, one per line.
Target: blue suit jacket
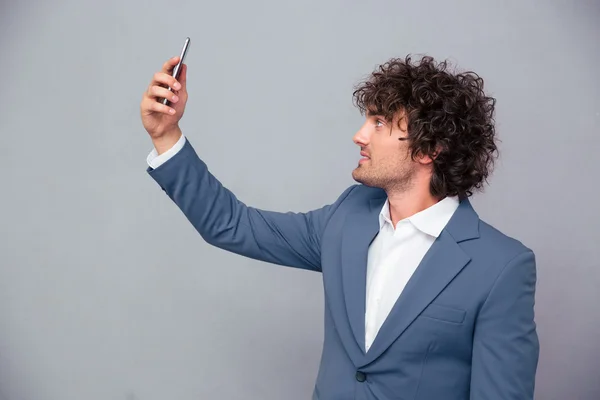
(463, 328)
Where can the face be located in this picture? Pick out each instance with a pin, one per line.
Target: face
(385, 160)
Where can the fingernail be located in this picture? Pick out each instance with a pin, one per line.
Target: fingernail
(175, 98)
(177, 86)
(172, 111)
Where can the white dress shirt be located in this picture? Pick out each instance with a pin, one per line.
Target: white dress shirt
(393, 256)
(154, 160)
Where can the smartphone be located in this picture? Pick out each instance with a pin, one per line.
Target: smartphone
(177, 68)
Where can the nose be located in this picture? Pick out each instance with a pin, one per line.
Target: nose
(361, 138)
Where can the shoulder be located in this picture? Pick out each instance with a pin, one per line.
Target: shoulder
(500, 263)
(355, 198)
(500, 242)
(484, 243)
(496, 252)
(359, 194)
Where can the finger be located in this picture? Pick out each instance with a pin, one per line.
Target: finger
(170, 64)
(155, 106)
(165, 80)
(159, 92)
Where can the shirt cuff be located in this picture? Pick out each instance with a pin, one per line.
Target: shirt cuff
(154, 160)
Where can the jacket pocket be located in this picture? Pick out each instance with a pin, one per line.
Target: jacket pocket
(444, 313)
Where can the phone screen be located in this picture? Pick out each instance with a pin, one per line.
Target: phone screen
(177, 68)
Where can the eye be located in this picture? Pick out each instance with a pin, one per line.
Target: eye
(379, 123)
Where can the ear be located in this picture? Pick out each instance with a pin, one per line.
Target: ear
(428, 159)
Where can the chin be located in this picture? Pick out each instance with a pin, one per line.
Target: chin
(363, 178)
(359, 177)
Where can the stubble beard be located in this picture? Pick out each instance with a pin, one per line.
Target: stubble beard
(399, 181)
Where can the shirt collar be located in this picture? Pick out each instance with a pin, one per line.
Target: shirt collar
(431, 220)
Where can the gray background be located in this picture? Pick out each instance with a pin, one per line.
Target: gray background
(107, 292)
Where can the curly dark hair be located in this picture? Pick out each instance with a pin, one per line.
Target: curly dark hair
(448, 116)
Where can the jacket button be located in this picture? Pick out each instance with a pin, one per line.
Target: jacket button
(361, 376)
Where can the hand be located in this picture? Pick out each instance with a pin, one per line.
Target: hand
(159, 119)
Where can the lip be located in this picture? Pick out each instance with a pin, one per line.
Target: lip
(365, 157)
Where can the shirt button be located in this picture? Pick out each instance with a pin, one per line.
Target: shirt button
(361, 376)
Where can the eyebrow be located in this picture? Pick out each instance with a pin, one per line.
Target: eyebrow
(372, 113)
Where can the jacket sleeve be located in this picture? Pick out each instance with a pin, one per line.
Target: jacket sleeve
(505, 344)
(290, 239)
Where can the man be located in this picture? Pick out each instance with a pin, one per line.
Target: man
(423, 300)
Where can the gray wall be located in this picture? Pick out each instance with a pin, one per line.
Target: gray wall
(107, 292)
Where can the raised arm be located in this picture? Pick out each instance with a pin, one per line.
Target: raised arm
(291, 239)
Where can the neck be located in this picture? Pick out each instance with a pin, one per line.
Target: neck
(404, 204)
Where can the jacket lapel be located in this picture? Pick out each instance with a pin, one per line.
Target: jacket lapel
(444, 260)
(359, 231)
